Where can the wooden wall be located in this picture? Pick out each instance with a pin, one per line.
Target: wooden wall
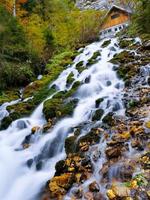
(109, 22)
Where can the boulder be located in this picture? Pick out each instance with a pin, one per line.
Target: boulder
(113, 152)
(59, 185)
(94, 187)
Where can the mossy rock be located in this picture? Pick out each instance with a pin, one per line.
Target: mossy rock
(57, 108)
(98, 115)
(133, 103)
(70, 78)
(74, 88)
(108, 119)
(91, 138)
(70, 144)
(80, 66)
(60, 167)
(93, 59)
(9, 95)
(122, 57)
(51, 107)
(106, 43)
(126, 72)
(126, 43)
(8, 120)
(98, 102)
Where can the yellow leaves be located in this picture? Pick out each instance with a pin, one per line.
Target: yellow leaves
(147, 124)
(111, 194)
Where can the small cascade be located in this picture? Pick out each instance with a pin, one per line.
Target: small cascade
(24, 172)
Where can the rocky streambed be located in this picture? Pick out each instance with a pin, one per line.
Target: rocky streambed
(90, 139)
(112, 159)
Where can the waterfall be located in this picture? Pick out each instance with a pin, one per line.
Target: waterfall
(24, 172)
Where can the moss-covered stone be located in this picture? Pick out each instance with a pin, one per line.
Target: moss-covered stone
(9, 95)
(8, 120)
(98, 102)
(80, 66)
(125, 43)
(106, 43)
(70, 144)
(70, 78)
(122, 57)
(90, 138)
(98, 114)
(56, 107)
(93, 59)
(108, 119)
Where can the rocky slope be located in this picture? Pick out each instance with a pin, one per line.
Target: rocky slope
(112, 160)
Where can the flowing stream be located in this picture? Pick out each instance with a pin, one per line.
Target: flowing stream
(24, 172)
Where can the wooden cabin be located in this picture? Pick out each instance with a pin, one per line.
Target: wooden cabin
(115, 20)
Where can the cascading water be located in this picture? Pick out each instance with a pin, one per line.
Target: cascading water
(23, 172)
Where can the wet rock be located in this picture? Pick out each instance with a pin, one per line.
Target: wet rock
(147, 124)
(108, 83)
(47, 126)
(90, 138)
(59, 185)
(30, 162)
(98, 102)
(70, 144)
(87, 79)
(98, 114)
(35, 129)
(70, 78)
(60, 168)
(113, 152)
(93, 59)
(21, 124)
(106, 43)
(26, 146)
(84, 146)
(94, 187)
(145, 160)
(118, 192)
(138, 144)
(88, 196)
(108, 119)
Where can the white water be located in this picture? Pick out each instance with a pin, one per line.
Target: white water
(20, 182)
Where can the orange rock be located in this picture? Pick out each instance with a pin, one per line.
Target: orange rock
(35, 129)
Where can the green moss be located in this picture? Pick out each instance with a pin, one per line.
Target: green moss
(8, 120)
(9, 95)
(108, 119)
(70, 78)
(73, 89)
(106, 43)
(98, 101)
(126, 43)
(70, 144)
(90, 138)
(93, 59)
(98, 114)
(133, 103)
(56, 107)
(51, 107)
(80, 67)
(122, 57)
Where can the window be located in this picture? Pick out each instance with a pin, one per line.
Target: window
(115, 16)
(116, 29)
(120, 27)
(109, 30)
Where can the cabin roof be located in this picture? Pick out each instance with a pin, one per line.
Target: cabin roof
(127, 10)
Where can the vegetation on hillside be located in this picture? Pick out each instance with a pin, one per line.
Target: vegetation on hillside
(36, 31)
